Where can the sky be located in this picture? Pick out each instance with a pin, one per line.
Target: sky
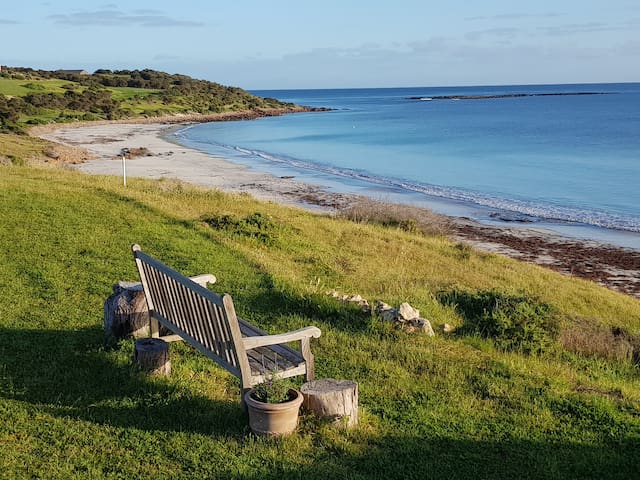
(283, 44)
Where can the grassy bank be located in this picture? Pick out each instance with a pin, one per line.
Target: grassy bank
(515, 392)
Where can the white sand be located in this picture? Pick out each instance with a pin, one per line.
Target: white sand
(170, 160)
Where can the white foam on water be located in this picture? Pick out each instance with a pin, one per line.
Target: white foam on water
(531, 211)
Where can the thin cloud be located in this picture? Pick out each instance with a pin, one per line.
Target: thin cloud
(147, 11)
(430, 46)
(112, 17)
(581, 28)
(501, 33)
(513, 16)
(519, 16)
(6, 21)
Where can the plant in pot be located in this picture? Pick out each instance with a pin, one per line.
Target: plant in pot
(273, 406)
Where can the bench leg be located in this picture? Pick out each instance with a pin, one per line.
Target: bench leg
(308, 358)
(243, 404)
(154, 327)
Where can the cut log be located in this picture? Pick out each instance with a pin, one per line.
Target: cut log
(336, 400)
(126, 313)
(152, 356)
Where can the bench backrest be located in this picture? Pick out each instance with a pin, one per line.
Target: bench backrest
(206, 320)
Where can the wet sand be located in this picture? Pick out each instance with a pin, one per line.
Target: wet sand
(614, 267)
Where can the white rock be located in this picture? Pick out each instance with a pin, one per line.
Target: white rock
(423, 326)
(407, 312)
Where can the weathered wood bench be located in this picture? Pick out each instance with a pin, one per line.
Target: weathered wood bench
(209, 323)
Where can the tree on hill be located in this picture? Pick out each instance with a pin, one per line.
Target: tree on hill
(10, 110)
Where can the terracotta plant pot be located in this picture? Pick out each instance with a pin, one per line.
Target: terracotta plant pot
(273, 419)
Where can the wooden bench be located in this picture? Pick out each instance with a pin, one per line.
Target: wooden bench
(209, 323)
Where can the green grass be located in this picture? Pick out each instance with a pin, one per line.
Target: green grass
(20, 88)
(457, 406)
(149, 107)
(21, 149)
(130, 93)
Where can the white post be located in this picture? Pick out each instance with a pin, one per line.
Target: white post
(123, 153)
(124, 170)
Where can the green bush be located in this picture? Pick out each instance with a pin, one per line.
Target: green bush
(513, 323)
(256, 226)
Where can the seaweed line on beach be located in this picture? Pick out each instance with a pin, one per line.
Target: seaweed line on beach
(614, 267)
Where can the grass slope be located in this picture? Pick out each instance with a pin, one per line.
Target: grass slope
(22, 87)
(446, 407)
(21, 149)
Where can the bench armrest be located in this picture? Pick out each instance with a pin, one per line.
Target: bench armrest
(202, 280)
(264, 340)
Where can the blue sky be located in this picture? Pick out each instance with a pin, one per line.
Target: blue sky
(333, 43)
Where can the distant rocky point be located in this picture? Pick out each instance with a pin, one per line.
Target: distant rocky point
(504, 95)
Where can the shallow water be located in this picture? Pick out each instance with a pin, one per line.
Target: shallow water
(570, 163)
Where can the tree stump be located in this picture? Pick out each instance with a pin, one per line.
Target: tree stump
(125, 312)
(152, 355)
(336, 400)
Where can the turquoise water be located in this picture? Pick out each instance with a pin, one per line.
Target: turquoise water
(568, 162)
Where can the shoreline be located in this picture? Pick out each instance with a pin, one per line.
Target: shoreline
(617, 268)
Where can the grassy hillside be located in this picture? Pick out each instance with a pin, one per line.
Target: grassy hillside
(31, 97)
(477, 403)
(21, 87)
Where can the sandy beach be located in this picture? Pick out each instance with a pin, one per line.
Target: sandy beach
(170, 160)
(614, 267)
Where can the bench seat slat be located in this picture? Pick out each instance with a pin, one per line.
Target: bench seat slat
(265, 360)
(284, 350)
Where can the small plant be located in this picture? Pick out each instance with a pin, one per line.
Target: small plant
(274, 389)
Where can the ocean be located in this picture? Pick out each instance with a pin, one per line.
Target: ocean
(560, 157)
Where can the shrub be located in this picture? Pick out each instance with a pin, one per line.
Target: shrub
(593, 340)
(404, 217)
(515, 323)
(257, 226)
(34, 86)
